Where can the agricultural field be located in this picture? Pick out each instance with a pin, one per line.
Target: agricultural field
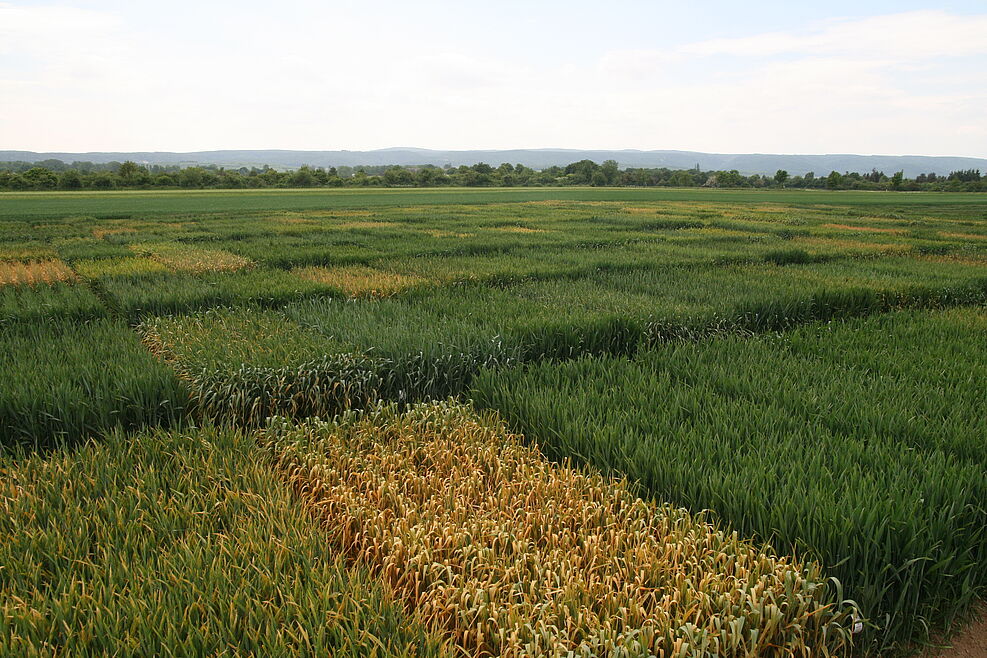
(491, 422)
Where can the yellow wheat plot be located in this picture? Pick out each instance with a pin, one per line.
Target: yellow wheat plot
(519, 229)
(513, 555)
(135, 266)
(186, 258)
(360, 280)
(45, 272)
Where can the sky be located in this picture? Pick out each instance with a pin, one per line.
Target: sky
(872, 77)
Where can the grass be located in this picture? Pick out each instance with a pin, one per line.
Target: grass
(185, 258)
(141, 296)
(324, 355)
(137, 267)
(242, 367)
(30, 305)
(514, 556)
(180, 543)
(64, 381)
(54, 204)
(860, 444)
(312, 303)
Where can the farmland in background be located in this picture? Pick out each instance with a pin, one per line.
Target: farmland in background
(809, 367)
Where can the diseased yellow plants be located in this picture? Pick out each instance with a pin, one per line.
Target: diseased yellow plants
(33, 273)
(186, 258)
(360, 280)
(513, 555)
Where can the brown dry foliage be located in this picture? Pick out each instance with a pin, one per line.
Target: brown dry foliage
(512, 555)
(34, 273)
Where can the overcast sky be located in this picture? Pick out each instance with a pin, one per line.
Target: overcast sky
(724, 76)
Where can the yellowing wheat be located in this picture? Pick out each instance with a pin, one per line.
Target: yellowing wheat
(365, 225)
(513, 555)
(866, 229)
(103, 231)
(360, 280)
(519, 229)
(45, 272)
(27, 252)
(435, 233)
(963, 236)
(186, 258)
(857, 245)
(135, 266)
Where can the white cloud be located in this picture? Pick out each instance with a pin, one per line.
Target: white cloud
(74, 79)
(637, 64)
(885, 84)
(900, 37)
(52, 30)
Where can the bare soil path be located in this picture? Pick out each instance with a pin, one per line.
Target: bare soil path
(970, 642)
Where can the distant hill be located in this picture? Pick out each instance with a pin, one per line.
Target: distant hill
(749, 163)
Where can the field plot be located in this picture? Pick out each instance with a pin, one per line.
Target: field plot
(809, 367)
(34, 273)
(181, 543)
(63, 381)
(22, 304)
(140, 296)
(861, 444)
(430, 342)
(515, 556)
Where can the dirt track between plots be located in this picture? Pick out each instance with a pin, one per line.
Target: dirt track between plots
(971, 642)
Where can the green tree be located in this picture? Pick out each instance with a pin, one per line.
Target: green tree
(425, 177)
(70, 180)
(128, 170)
(41, 178)
(682, 179)
(834, 180)
(730, 178)
(781, 176)
(897, 179)
(18, 182)
(398, 176)
(581, 173)
(611, 170)
(103, 181)
(192, 177)
(302, 177)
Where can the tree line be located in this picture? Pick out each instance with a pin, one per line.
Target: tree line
(58, 175)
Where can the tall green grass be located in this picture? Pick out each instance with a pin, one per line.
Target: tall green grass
(181, 543)
(33, 304)
(321, 356)
(60, 204)
(860, 444)
(63, 381)
(139, 296)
